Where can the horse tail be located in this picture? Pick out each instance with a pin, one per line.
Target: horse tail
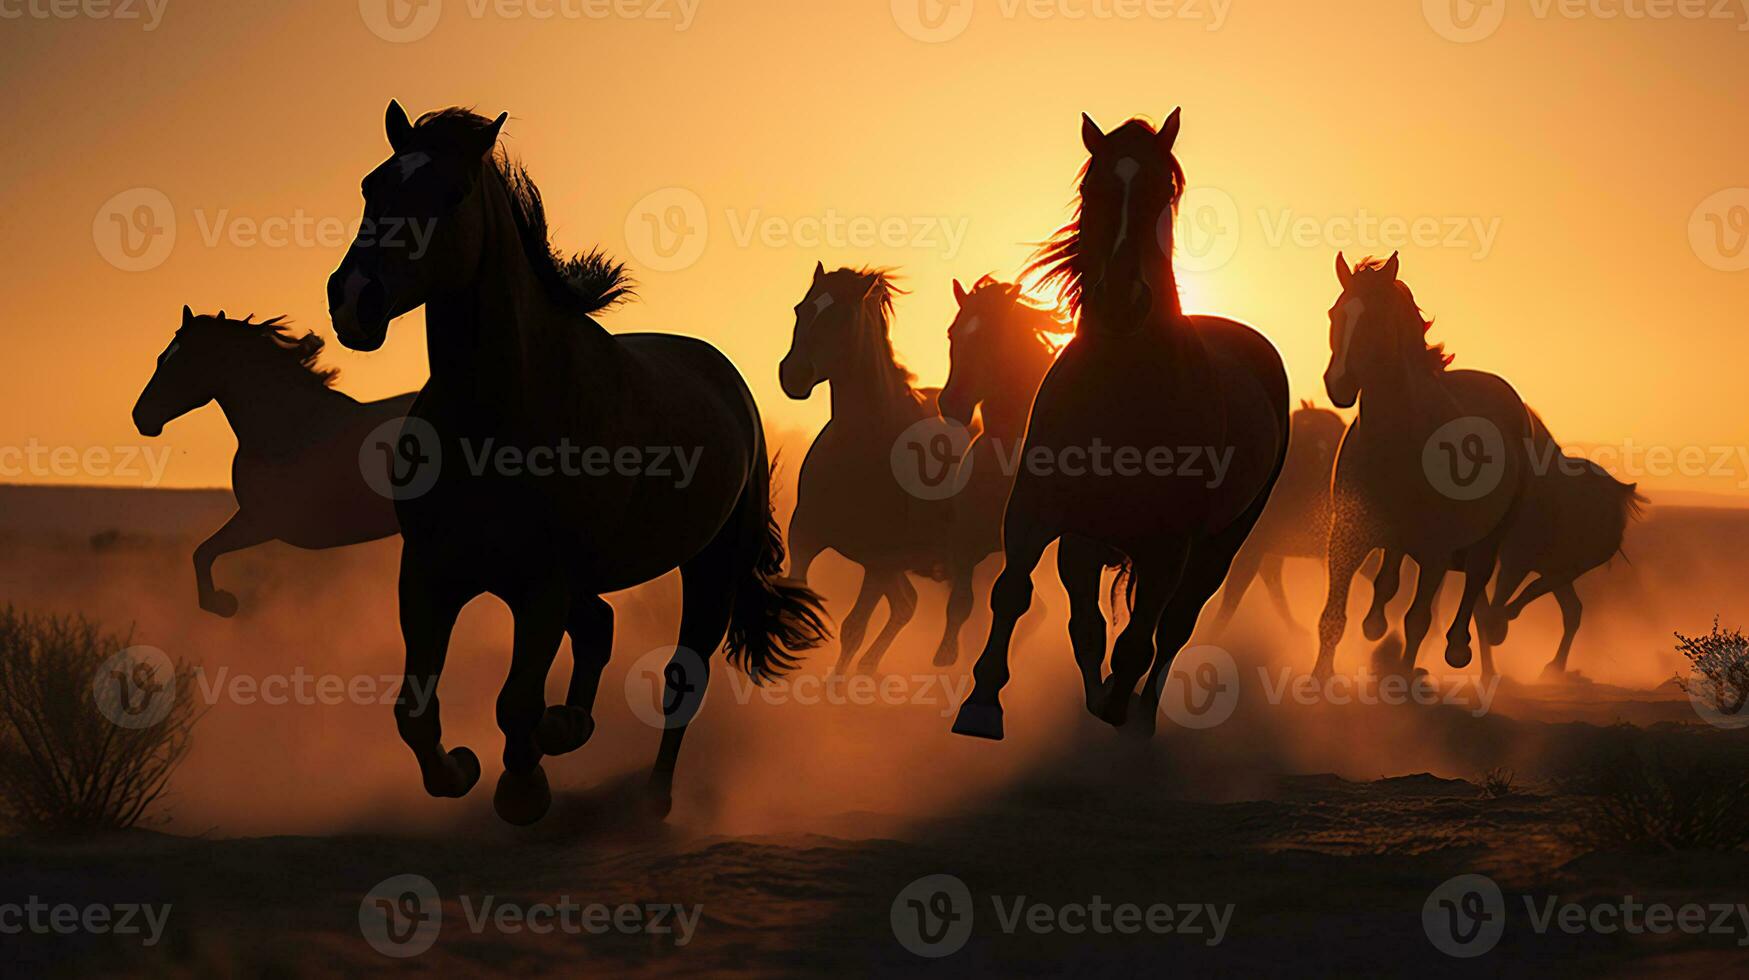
(771, 617)
(1632, 506)
(1124, 583)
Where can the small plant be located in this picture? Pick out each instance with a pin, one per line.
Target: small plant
(1498, 782)
(1719, 669)
(68, 760)
(1642, 798)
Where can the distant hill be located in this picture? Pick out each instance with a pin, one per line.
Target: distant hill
(80, 512)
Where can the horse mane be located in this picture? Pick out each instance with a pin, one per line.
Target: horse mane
(1040, 322)
(881, 287)
(1413, 324)
(303, 350)
(1057, 260)
(589, 282)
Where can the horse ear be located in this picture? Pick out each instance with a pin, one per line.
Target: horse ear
(222, 316)
(959, 293)
(819, 271)
(491, 138)
(187, 315)
(1169, 129)
(1344, 274)
(399, 126)
(1394, 265)
(1092, 136)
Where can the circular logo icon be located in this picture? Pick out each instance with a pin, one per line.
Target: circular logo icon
(933, 21)
(401, 459)
(932, 916)
(1718, 230)
(135, 688)
(1712, 703)
(135, 231)
(1465, 917)
(1201, 690)
(1464, 21)
(931, 459)
(666, 687)
(401, 21)
(668, 230)
(1206, 229)
(1465, 459)
(401, 916)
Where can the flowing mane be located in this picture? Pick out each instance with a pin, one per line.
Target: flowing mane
(304, 351)
(1410, 322)
(1057, 261)
(589, 282)
(879, 287)
(1043, 324)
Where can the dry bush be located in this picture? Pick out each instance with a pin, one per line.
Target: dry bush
(64, 764)
(1498, 782)
(1719, 669)
(1646, 794)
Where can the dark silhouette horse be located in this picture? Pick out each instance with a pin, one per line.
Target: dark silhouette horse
(1296, 524)
(521, 371)
(1151, 386)
(848, 497)
(297, 474)
(1385, 492)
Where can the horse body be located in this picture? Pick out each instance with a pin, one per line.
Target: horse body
(297, 474)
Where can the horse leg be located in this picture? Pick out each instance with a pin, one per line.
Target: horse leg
(1271, 575)
(1158, 578)
(959, 609)
(803, 549)
(1532, 592)
(428, 615)
(1080, 567)
(1478, 566)
(1384, 588)
(1429, 575)
(901, 606)
(1023, 544)
(1245, 569)
(1491, 613)
(1572, 612)
(523, 795)
(855, 625)
(565, 728)
(237, 533)
(1348, 549)
(708, 587)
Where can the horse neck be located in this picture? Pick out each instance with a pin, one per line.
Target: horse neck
(501, 346)
(279, 410)
(874, 390)
(1006, 410)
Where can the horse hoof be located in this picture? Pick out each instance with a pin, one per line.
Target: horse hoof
(522, 797)
(1553, 674)
(220, 603)
(563, 729)
(658, 804)
(947, 656)
(1116, 709)
(979, 721)
(1373, 628)
(456, 774)
(1142, 723)
(1457, 655)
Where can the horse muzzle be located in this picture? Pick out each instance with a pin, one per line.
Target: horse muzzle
(358, 305)
(1342, 391)
(955, 408)
(797, 378)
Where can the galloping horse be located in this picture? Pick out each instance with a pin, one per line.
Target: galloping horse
(847, 496)
(1148, 390)
(296, 475)
(523, 379)
(1435, 466)
(1296, 524)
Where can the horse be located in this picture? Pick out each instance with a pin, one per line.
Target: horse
(1296, 524)
(538, 463)
(297, 475)
(1115, 443)
(1435, 465)
(848, 497)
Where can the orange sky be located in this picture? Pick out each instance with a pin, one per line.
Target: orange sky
(1572, 151)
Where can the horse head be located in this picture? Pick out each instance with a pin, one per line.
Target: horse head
(996, 342)
(1376, 331)
(841, 324)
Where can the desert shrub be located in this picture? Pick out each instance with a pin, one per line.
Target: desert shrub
(1645, 794)
(89, 734)
(1498, 782)
(1718, 669)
